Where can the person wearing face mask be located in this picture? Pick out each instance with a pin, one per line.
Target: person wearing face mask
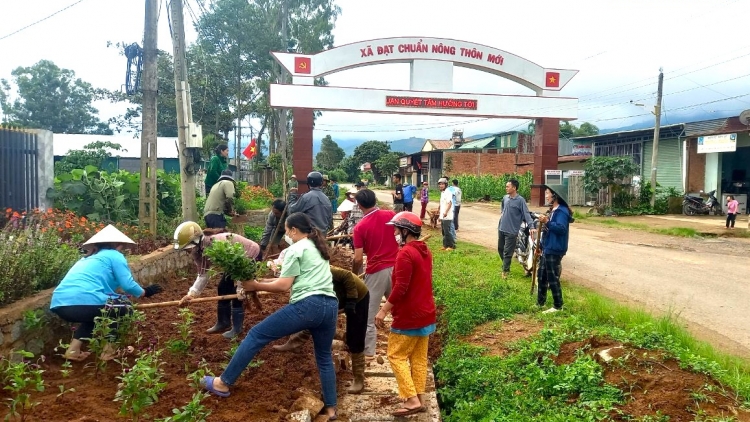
(412, 305)
(354, 300)
(313, 306)
(230, 314)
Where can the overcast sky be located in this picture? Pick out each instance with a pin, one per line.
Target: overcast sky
(618, 46)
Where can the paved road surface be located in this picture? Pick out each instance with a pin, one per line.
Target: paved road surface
(705, 281)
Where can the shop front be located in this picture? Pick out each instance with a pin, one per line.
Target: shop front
(719, 159)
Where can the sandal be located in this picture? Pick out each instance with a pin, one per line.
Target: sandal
(208, 383)
(405, 411)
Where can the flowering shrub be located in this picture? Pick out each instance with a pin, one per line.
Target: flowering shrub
(256, 197)
(75, 230)
(53, 238)
(34, 258)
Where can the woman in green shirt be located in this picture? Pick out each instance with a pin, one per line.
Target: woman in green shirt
(218, 163)
(313, 306)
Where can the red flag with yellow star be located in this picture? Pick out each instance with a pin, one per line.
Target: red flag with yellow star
(552, 80)
(250, 151)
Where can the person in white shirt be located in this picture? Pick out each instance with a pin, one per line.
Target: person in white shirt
(446, 215)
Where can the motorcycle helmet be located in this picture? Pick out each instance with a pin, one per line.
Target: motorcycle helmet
(407, 220)
(187, 235)
(314, 179)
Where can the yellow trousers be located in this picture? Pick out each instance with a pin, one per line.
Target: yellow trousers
(408, 358)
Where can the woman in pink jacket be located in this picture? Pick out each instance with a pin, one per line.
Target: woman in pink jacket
(189, 235)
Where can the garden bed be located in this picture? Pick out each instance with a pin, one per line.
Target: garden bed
(265, 391)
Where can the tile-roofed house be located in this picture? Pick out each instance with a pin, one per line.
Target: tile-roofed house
(436, 145)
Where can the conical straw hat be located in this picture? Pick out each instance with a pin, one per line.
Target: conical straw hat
(109, 234)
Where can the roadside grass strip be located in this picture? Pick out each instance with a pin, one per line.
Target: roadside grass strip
(596, 360)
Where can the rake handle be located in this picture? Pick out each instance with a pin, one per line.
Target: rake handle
(177, 302)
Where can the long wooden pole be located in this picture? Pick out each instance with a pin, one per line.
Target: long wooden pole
(147, 208)
(177, 302)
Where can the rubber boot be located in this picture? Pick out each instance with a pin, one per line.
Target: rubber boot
(295, 341)
(238, 320)
(358, 369)
(223, 315)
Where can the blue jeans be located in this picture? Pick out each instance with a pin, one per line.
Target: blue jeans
(317, 314)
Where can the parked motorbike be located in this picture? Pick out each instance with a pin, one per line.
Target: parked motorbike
(526, 244)
(694, 205)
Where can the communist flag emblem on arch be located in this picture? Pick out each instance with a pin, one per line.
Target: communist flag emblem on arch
(250, 150)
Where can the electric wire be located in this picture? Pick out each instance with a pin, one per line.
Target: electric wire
(39, 21)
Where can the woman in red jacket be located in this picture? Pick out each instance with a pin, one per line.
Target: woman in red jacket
(413, 309)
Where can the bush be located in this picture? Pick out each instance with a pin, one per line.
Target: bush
(52, 238)
(276, 189)
(34, 258)
(112, 197)
(477, 187)
(256, 198)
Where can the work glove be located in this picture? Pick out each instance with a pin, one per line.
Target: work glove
(240, 292)
(350, 306)
(152, 290)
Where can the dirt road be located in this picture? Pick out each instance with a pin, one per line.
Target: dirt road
(704, 281)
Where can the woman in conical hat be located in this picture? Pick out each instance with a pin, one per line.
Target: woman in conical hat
(95, 278)
(554, 246)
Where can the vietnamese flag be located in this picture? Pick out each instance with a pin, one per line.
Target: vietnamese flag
(552, 80)
(250, 151)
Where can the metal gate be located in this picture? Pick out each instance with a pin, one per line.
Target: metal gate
(19, 171)
(576, 192)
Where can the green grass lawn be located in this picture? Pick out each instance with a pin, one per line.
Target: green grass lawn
(526, 384)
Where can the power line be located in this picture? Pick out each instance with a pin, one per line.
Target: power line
(39, 21)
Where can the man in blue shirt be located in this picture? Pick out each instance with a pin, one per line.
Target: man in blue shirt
(409, 191)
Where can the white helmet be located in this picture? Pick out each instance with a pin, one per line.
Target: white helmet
(109, 234)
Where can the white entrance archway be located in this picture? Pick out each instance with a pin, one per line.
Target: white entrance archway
(431, 89)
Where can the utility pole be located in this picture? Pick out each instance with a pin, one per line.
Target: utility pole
(282, 118)
(184, 113)
(657, 125)
(147, 209)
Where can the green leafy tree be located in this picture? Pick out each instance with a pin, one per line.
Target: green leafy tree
(94, 154)
(48, 97)
(387, 164)
(237, 35)
(611, 173)
(587, 129)
(568, 130)
(330, 154)
(369, 152)
(351, 168)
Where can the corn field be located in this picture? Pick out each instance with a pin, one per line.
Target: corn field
(476, 187)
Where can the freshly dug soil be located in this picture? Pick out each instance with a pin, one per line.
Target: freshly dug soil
(656, 383)
(263, 393)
